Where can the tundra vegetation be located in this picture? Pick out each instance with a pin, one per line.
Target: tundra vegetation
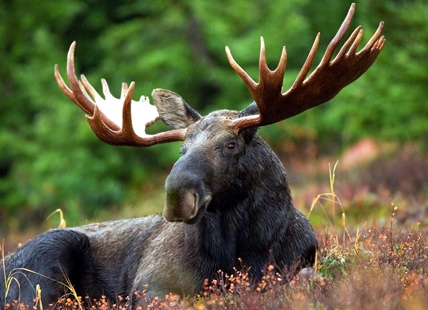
(372, 267)
(353, 272)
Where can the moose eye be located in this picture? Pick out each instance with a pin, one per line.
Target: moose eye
(231, 146)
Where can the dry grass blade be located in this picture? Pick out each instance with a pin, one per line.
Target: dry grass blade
(62, 222)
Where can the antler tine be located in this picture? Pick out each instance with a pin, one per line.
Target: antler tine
(106, 89)
(126, 112)
(351, 41)
(270, 82)
(339, 36)
(67, 91)
(307, 65)
(244, 76)
(84, 102)
(252, 120)
(376, 40)
(325, 82)
(111, 119)
(90, 88)
(124, 90)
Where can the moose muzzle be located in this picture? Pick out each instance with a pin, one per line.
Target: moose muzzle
(187, 196)
(185, 206)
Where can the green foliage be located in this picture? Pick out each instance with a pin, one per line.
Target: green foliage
(49, 158)
(388, 101)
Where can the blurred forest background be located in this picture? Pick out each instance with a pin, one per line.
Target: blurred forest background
(50, 159)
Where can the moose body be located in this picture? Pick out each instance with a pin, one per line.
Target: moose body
(249, 220)
(228, 202)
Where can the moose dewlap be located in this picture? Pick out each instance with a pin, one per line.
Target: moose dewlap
(228, 201)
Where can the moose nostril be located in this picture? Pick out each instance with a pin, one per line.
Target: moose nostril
(195, 206)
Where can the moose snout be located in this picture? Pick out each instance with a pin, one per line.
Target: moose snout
(185, 206)
(180, 206)
(187, 194)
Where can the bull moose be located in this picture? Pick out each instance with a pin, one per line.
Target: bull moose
(228, 202)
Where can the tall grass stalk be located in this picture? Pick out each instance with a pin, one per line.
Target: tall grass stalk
(62, 222)
(335, 200)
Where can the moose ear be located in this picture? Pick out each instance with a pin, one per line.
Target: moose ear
(173, 110)
(250, 110)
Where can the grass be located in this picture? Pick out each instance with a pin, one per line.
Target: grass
(369, 268)
(387, 268)
(37, 304)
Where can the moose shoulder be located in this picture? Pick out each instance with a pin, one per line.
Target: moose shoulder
(228, 201)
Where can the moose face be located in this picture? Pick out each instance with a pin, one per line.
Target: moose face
(208, 168)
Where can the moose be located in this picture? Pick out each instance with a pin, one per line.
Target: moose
(228, 202)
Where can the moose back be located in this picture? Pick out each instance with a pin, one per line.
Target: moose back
(228, 202)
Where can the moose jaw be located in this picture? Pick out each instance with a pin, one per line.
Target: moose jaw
(228, 201)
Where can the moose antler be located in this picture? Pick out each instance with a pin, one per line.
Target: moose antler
(323, 84)
(115, 121)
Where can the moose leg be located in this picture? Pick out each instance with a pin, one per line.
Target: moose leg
(54, 260)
